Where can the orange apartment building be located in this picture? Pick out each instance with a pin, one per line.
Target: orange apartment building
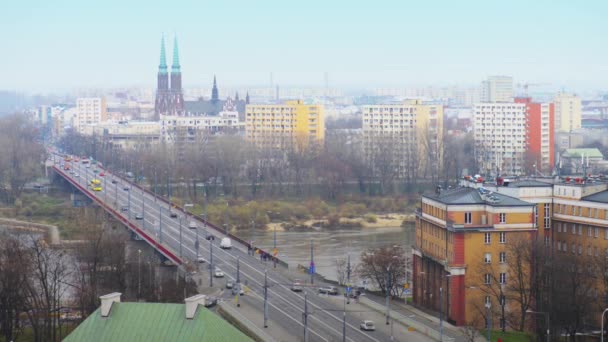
(456, 231)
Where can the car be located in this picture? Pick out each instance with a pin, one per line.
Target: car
(88, 166)
(95, 181)
(97, 188)
(229, 284)
(114, 181)
(218, 273)
(124, 208)
(201, 260)
(126, 188)
(76, 175)
(192, 225)
(368, 326)
(101, 174)
(226, 243)
(210, 237)
(297, 286)
(173, 214)
(210, 301)
(330, 290)
(139, 216)
(238, 290)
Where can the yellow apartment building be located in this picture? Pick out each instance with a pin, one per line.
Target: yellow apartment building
(293, 124)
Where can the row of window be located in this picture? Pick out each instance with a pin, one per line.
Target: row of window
(487, 278)
(574, 248)
(578, 229)
(502, 257)
(468, 218)
(578, 211)
(502, 238)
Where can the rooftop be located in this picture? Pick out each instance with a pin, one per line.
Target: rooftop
(154, 322)
(587, 152)
(477, 196)
(527, 183)
(601, 197)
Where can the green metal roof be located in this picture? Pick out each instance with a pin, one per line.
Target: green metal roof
(588, 152)
(155, 322)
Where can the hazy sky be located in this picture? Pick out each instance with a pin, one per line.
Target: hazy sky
(61, 44)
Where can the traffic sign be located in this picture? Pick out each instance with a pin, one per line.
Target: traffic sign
(349, 289)
(275, 252)
(312, 267)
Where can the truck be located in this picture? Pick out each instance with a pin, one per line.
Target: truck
(226, 243)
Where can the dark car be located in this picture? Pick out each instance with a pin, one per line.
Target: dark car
(114, 181)
(173, 214)
(126, 188)
(210, 237)
(139, 216)
(210, 301)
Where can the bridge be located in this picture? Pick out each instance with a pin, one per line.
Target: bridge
(164, 226)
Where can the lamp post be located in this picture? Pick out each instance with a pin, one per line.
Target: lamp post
(139, 273)
(602, 332)
(549, 324)
(489, 322)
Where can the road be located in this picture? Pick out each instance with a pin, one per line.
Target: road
(286, 308)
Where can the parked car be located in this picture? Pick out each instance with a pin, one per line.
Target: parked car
(139, 216)
(330, 290)
(368, 326)
(297, 286)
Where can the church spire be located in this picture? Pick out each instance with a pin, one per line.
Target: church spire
(214, 93)
(162, 67)
(175, 67)
(236, 97)
(247, 98)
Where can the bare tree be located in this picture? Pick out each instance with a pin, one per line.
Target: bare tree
(14, 275)
(385, 266)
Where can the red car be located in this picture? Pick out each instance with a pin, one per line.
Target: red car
(101, 174)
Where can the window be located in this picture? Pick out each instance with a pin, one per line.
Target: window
(559, 245)
(488, 300)
(580, 229)
(503, 257)
(487, 238)
(487, 258)
(546, 241)
(487, 279)
(468, 218)
(589, 231)
(589, 250)
(574, 229)
(503, 237)
(559, 227)
(580, 211)
(580, 249)
(503, 278)
(573, 249)
(596, 232)
(503, 217)
(573, 210)
(596, 251)
(547, 208)
(606, 234)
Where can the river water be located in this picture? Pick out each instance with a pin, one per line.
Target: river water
(329, 244)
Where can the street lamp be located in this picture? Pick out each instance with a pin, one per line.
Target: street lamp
(549, 325)
(388, 290)
(489, 322)
(139, 274)
(602, 332)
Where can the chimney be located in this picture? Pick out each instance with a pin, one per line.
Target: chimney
(106, 302)
(192, 303)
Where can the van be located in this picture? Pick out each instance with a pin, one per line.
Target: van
(192, 225)
(226, 243)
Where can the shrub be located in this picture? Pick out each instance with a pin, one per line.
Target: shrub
(370, 218)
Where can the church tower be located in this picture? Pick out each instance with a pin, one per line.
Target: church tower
(161, 105)
(177, 96)
(215, 96)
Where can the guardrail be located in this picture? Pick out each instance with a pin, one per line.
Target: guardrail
(162, 249)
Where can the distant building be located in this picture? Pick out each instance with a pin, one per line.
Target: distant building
(497, 89)
(281, 126)
(575, 160)
(183, 129)
(215, 105)
(120, 321)
(568, 112)
(89, 110)
(169, 98)
(540, 140)
(126, 134)
(407, 136)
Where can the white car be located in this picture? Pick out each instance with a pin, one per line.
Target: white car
(368, 326)
(201, 260)
(226, 243)
(218, 273)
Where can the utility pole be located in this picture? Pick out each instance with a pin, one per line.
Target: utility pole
(388, 300)
(344, 322)
(180, 238)
(305, 317)
(348, 270)
(143, 208)
(211, 263)
(265, 299)
(274, 251)
(139, 274)
(312, 264)
(160, 224)
(155, 189)
(238, 279)
(196, 244)
(441, 313)
(129, 204)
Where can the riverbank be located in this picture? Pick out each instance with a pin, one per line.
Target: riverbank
(390, 220)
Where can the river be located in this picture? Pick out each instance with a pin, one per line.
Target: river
(329, 244)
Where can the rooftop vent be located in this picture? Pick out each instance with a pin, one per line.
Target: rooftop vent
(192, 303)
(106, 302)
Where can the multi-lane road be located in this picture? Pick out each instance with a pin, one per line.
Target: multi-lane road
(285, 307)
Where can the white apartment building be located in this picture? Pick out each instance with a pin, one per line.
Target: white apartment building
(191, 128)
(568, 112)
(89, 110)
(407, 135)
(497, 89)
(500, 137)
(126, 134)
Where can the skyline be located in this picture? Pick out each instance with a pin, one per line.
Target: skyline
(53, 45)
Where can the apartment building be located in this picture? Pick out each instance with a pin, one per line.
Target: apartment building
(90, 110)
(497, 89)
(500, 134)
(568, 112)
(461, 245)
(540, 135)
(180, 129)
(406, 137)
(282, 126)
(126, 134)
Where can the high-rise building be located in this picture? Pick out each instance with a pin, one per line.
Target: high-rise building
(497, 89)
(499, 131)
(293, 124)
(169, 99)
(540, 135)
(567, 112)
(90, 111)
(405, 137)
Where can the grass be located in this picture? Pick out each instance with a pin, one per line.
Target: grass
(508, 336)
(27, 334)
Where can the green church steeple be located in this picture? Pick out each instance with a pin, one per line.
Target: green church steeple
(175, 66)
(162, 67)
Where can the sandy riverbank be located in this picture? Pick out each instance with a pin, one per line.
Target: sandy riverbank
(382, 221)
